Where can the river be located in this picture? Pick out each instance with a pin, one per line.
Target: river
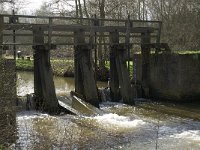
(146, 126)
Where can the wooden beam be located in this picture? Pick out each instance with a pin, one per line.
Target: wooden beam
(72, 35)
(75, 18)
(73, 28)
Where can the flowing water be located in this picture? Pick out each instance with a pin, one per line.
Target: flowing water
(146, 126)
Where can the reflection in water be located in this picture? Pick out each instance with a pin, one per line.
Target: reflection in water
(122, 127)
(25, 82)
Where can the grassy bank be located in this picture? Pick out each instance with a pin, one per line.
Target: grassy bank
(60, 67)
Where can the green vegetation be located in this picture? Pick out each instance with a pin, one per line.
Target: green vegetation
(1, 147)
(24, 65)
(187, 52)
(60, 67)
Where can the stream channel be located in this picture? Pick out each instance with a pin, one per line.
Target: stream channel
(146, 126)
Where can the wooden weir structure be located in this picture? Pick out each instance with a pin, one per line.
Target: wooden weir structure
(82, 33)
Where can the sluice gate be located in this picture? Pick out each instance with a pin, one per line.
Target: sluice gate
(82, 33)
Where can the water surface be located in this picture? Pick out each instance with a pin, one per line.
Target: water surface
(146, 126)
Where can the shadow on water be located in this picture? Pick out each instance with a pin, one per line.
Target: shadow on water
(121, 127)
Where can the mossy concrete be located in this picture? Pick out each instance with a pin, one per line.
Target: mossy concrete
(173, 77)
(7, 102)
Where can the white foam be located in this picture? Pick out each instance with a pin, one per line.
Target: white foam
(26, 115)
(193, 135)
(118, 121)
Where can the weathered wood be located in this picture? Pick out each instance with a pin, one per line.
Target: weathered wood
(123, 74)
(84, 74)
(74, 28)
(72, 35)
(114, 80)
(145, 63)
(89, 83)
(43, 77)
(73, 18)
(78, 39)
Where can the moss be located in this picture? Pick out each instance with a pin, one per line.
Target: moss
(187, 52)
(24, 65)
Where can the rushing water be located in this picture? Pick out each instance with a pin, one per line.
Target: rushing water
(146, 126)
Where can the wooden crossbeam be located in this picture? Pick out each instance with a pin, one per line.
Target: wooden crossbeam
(71, 35)
(74, 28)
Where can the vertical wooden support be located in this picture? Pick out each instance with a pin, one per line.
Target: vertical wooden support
(119, 75)
(114, 80)
(1, 35)
(123, 74)
(14, 37)
(145, 39)
(43, 76)
(78, 40)
(84, 74)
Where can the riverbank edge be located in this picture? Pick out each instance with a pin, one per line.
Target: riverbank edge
(61, 68)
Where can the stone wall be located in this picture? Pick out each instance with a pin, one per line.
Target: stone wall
(173, 77)
(7, 102)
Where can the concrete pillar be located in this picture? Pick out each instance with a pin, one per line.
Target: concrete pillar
(7, 102)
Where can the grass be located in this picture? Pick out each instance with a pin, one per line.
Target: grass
(60, 67)
(24, 65)
(188, 52)
(65, 68)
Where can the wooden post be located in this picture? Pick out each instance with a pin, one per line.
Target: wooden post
(114, 80)
(43, 76)
(84, 74)
(14, 37)
(145, 39)
(1, 35)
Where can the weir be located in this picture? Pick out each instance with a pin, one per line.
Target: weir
(121, 39)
